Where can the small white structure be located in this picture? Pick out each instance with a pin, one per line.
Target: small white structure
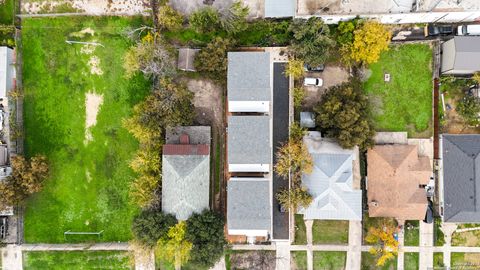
(7, 71)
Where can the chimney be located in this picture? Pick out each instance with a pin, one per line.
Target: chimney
(184, 139)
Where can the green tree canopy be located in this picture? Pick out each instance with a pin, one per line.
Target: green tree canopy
(469, 109)
(151, 225)
(294, 198)
(311, 40)
(205, 20)
(213, 58)
(206, 232)
(234, 18)
(344, 113)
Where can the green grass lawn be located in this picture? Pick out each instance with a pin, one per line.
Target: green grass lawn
(404, 103)
(330, 232)
(438, 259)
(411, 260)
(329, 260)
(369, 263)
(412, 235)
(464, 260)
(6, 11)
(439, 237)
(59, 260)
(300, 231)
(89, 183)
(300, 259)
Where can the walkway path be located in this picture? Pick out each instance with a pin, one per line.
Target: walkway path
(448, 230)
(354, 251)
(282, 256)
(401, 243)
(12, 258)
(308, 226)
(426, 242)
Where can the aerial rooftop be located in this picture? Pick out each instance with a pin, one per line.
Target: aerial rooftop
(461, 55)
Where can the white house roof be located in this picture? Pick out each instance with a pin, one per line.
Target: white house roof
(7, 70)
(330, 182)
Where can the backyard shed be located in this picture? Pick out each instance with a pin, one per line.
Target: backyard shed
(186, 59)
(461, 55)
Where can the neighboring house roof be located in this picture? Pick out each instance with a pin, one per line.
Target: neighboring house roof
(330, 182)
(249, 76)
(395, 173)
(7, 71)
(196, 134)
(185, 177)
(249, 140)
(279, 8)
(461, 55)
(248, 204)
(186, 58)
(461, 178)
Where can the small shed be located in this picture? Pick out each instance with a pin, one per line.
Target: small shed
(186, 58)
(307, 119)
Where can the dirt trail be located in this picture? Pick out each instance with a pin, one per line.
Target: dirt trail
(92, 106)
(94, 7)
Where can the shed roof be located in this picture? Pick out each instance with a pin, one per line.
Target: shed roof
(461, 53)
(330, 182)
(248, 204)
(395, 173)
(279, 8)
(186, 59)
(249, 140)
(461, 178)
(249, 76)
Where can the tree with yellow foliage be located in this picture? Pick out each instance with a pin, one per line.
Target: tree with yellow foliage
(174, 248)
(293, 157)
(385, 246)
(371, 38)
(294, 68)
(476, 77)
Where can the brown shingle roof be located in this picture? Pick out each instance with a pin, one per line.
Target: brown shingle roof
(395, 173)
(186, 149)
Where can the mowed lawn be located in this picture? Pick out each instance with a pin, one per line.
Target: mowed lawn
(89, 183)
(404, 103)
(59, 260)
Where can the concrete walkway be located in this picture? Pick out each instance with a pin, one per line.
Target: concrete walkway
(309, 226)
(401, 254)
(426, 242)
(12, 258)
(282, 256)
(354, 251)
(448, 230)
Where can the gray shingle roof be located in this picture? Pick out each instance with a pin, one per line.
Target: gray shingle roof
(461, 53)
(279, 8)
(249, 140)
(248, 204)
(248, 77)
(185, 184)
(461, 179)
(330, 182)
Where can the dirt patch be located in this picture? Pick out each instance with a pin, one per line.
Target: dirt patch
(94, 64)
(453, 123)
(253, 260)
(94, 7)
(92, 106)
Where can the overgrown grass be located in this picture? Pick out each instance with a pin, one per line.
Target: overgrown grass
(404, 103)
(412, 235)
(89, 183)
(468, 238)
(369, 263)
(330, 232)
(329, 260)
(438, 259)
(300, 259)
(300, 231)
(411, 260)
(7, 12)
(439, 237)
(59, 260)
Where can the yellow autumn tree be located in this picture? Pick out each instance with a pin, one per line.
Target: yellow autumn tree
(385, 246)
(294, 68)
(293, 157)
(476, 77)
(174, 248)
(371, 38)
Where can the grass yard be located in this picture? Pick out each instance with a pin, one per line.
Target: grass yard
(404, 103)
(438, 259)
(370, 263)
(412, 234)
(300, 231)
(439, 237)
(329, 260)
(6, 11)
(468, 238)
(465, 260)
(90, 176)
(59, 260)
(330, 232)
(299, 260)
(411, 260)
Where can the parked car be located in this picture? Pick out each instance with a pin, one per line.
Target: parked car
(312, 81)
(468, 30)
(3, 227)
(433, 30)
(318, 68)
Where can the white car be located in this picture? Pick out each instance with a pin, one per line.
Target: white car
(313, 81)
(468, 30)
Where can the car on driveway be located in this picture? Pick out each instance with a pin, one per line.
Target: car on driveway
(308, 81)
(433, 30)
(318, 68)
(468, 30)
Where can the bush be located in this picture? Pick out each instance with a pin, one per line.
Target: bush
(213, 58)
(151, 225)
(205, 20)
(169, 18)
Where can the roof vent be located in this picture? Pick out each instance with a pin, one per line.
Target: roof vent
(374, 203)
(184, 139)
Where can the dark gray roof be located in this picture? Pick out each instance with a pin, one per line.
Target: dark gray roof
(249, 140)
(248, 76)
(248, 204)
(461, 53)
(461, 179)
(279, 8)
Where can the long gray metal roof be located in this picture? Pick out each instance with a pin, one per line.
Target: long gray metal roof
(248, 204)
(461, 178)
(249, 140)
(249, 76)
(461, 53)
(279, 8)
